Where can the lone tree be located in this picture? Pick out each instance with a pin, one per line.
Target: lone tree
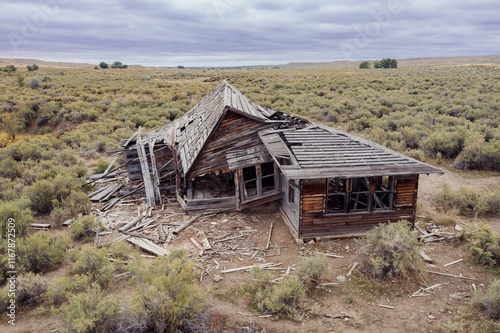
(365, 65)
(118, 64)
(32, 68)
(8, 68)
(385, 63)
(103, 65)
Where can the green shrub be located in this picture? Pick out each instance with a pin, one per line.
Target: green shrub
(310, 270)
(63, 288)
(101, 166)
(92, 262)
(35, 84)
(448, 144)
(16, 213)
(490, 300)
(29, 288)
(9, 168)
(83, 227)
(89, 311)
(75, 203)
(466, 200)
(4, 299)
(392, 251)
(41, 251)
(168, 295)
(41, 195)
(484, 245)
(479, 155)
(121, 250)
(284, 298)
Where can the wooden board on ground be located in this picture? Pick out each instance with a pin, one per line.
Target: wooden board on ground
(148, 246)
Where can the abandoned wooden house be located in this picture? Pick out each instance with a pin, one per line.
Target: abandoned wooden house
(228, 153)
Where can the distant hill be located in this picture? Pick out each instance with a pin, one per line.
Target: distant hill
(412, 62)
(53, 64)
(24, 62)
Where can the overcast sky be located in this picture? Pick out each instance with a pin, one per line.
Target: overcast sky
(252, 32)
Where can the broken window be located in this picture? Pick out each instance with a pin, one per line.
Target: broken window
(258, 180)
(384, 192)
(267, 177)
(250, 181)
(336, 202)
(363, 194)
(360, 194)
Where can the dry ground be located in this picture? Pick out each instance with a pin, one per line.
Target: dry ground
(357, 297)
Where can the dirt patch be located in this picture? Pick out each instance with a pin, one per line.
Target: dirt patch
(239, 240)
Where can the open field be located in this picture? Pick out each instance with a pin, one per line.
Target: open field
(64, 128)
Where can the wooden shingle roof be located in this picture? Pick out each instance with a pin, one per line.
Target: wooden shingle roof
(195, 127)
(320, 151)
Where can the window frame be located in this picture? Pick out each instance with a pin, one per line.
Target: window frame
(376, 194)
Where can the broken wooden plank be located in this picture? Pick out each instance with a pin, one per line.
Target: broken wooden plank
(115, 240)
(106, 193)
(231, 238)
(68, 222)
(196, 244)
(144, 224)
(148, 246)
(425, 257)
(329, 255)
(111, 204)
(110, 194)
(136, 234)
(187, 224)
(41, 225)
(162, 235)
(422, 290)
(269, 237)
(231, 270)
(205, 242)
(146, 174)
(129, 225)
(453, 262)
(452, 275)
(352, 269)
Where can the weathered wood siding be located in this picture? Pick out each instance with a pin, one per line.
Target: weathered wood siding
(290, 209)
(314, 222)
(162, 154)
(234, 132)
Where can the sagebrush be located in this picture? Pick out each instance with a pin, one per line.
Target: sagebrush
(391, 251)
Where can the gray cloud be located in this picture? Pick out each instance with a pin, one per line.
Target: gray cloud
(237, 32)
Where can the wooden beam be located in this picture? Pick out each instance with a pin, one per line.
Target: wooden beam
(187, 224)
(148, 246)
(269, 237)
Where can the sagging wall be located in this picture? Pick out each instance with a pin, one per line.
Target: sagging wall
(162, 156)
(316, 222)
(234, 132)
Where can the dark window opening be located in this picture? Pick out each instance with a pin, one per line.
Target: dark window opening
(258, 180)
(384, 192)
(250, 181)
(364, 194)
(267, 177)
(360, 194)
(336, 202)
(213, 186)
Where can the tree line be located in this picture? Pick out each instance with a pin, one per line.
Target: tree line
(384, 63)
(116, 64)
